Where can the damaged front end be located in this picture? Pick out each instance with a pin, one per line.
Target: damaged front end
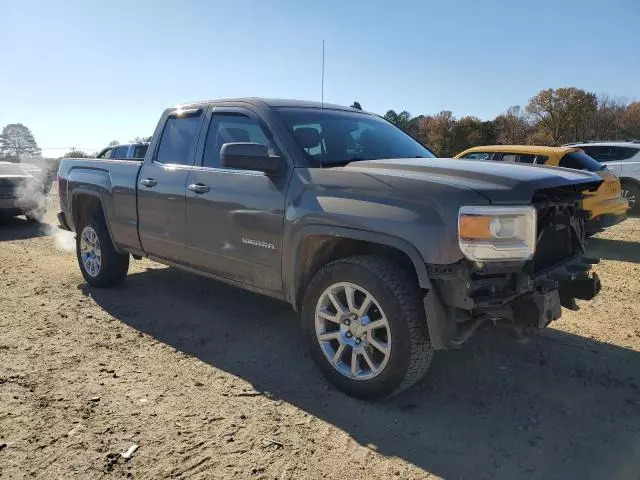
(526, 293)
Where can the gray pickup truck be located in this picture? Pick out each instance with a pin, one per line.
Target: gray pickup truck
(387, 252)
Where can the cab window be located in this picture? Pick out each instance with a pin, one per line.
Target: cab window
(478, 156)
(106, 154)
(178, 139)
(120, 152)
(231, 128)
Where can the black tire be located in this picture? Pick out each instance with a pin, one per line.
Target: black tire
(399, 296)
(634, 192)
(114, 266)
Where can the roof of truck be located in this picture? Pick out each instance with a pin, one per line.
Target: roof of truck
(273, 102)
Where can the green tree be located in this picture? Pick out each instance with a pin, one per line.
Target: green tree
(400, 120)
(563, 114)
(17, 142)
(74, 153)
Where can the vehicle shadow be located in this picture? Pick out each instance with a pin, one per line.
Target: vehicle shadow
(610, 249)
(561, 406)
(19, 228)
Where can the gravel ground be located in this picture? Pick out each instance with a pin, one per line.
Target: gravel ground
(213, 382)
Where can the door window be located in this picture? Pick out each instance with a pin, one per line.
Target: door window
(106, 154)
(120, 152)
(623, 153)
(178, 139)
(231, 128)
(478, 156)
(140, 151)
(598, 152)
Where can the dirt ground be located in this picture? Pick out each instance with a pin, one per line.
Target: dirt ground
(213, 382)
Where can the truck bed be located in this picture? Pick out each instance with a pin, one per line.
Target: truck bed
(115, 182)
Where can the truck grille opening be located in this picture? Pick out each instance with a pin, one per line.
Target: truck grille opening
(560, 230)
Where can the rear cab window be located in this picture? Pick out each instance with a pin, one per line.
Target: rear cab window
(580, 161)
(178, 139)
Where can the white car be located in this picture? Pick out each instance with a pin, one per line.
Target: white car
(623, 158)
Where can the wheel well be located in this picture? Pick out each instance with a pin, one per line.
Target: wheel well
(315, 251)
(84, 206)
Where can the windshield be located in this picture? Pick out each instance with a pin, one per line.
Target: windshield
(581, 161)
(336, 137)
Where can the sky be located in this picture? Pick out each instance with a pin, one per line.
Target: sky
(83, 73)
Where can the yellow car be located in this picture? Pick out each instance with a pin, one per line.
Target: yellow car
(606, 204)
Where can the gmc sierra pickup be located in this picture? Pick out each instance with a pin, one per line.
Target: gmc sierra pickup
(387, 252)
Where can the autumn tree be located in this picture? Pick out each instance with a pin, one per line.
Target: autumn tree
(564, 113)
(437, 132)
(511, 127)
(17, 142)
(630, 121)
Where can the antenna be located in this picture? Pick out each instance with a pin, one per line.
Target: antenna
(322, 88)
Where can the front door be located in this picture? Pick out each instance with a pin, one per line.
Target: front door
(235, 217)
(161, 187)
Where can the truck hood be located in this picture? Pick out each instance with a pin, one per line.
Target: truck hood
(498, 182)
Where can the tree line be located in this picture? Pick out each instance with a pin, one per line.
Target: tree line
(552, 117)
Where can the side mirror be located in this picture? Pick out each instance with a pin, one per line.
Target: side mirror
(250, 156)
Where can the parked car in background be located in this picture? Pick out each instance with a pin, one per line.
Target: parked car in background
(607, 206)
(623, 158)
(126, 151)
(21, 192)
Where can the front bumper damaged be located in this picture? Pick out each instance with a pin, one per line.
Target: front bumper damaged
(463, 298)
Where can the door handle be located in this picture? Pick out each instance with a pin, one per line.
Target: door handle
(148, 182)
(198, 188)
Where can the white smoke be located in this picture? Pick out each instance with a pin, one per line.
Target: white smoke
(64, 240)
(33, 197)
(33, 190)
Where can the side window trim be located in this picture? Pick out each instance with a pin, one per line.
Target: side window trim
(192, 152)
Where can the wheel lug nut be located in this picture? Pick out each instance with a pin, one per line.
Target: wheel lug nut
(347, 322)
(348, 334)
(357, 340)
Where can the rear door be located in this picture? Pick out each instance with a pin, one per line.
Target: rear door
(162, 183)
(234, 218)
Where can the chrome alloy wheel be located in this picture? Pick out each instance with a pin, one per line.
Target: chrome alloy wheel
(353, 331)
(90, 251)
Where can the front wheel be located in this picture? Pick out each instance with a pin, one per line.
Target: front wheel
(364, 321)
(100, 263)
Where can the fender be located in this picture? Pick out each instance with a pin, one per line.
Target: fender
(291, 270)
(97, 196)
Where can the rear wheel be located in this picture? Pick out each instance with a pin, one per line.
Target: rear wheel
(631, 192)
(364, 321)
(100, 263)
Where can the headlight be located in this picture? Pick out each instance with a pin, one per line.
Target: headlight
(497, 233)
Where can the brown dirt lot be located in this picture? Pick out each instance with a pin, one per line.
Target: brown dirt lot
(213, 382)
